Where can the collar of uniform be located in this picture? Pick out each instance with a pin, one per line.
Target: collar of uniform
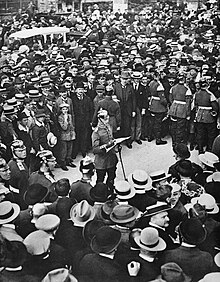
(106, 256)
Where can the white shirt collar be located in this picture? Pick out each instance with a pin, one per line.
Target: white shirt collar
(39, 123)
(145, 257)
(9, 225)
(155, 225)
(107, 256)
(187, 245)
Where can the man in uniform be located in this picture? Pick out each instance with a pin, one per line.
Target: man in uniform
(206, 112)
(102, 140)
(158, 107)
(180, 99)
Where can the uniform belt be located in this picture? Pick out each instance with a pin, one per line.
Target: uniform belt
(155, 98)
(205, 108)
(180, 102)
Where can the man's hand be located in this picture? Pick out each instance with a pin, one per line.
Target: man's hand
(133, 114)
(118, 128)
(133, 268)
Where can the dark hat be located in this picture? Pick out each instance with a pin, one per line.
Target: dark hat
(18, 81)
(51, 97)
(79, 85)
(124, 214)
(105, 211)
(100, 88)
(192, 231)
(184, 168)
(86, 164)
(100, 192)
(105, 240)
(40, 113)
(16, 254)
(90, 229)
(172, 272)
(182, 151)
(36, 193)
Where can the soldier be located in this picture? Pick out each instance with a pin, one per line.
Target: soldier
(206, 112)
(158, 107)
(180, 99)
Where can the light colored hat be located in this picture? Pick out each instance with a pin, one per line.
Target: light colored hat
(159, 175)
(8, 212)
(37, 243)
(140, 180)
(59, 275)
(51, 139)
(157, 208)
(47, 222)
(149, 240)
(81, 213)
(64, 105)
(38, 210)
(124, 190)
(136, 74)
(208, 159)
(211, 277)
(215, 177)
(217, 259)
(208, 201)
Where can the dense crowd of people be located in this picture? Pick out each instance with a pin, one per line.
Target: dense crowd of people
(142, 75)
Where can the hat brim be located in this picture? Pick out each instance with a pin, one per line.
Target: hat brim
(76, 220)
(140, 189)
(107, 249)
(159, 247)
(162, 178)
(136, 213)
(129, 196)
(205, 161)
(16, 212)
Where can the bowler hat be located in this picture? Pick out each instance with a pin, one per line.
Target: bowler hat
(140, 180)
(40, 113)
(81, 213)
(100, 192)
(106, 240)
(36, 193)
(149, 240)
(172, 272)
(79, 85)
(90, 229)
(182, 151)
(192, 231)
(47, 222)
(9, 110)
(184, 168)
(8, 212)
(124, 214)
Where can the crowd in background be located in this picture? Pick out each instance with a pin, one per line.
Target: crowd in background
(144, 75)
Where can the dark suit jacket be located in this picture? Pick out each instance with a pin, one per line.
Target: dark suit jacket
(141, 96)
(102, 268)
(141, 201)
(194, 262)
(17, 276)
(126, 97)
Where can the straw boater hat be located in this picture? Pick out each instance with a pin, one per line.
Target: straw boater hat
(208, 159)
(140, 180)
(8, 212)
(157, 208)
(81, 213)
(159, 175)
(124, 190)
(149, 240)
